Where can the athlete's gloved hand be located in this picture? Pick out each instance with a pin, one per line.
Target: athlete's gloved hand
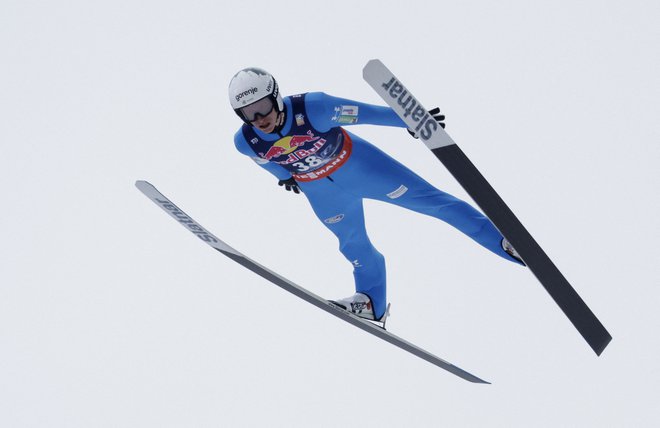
(289, 184)
(439, 117)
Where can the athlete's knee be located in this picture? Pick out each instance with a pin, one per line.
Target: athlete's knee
(352, 248)
(429, 200)
(361, 254)
(457, 209)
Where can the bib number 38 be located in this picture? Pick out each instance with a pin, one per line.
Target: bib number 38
(309, 162)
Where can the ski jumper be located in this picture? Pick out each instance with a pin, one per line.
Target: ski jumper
(336, 170)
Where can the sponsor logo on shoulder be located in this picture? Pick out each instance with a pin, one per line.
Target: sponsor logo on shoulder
(300, 119)
(335, 219)
(255, 140)
(426, 125)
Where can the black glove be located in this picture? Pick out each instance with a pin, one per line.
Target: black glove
(439, 117)
(289, 184)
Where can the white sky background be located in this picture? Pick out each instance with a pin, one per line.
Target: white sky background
(112, 315)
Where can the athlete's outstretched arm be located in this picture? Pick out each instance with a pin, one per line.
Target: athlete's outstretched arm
(326, 111)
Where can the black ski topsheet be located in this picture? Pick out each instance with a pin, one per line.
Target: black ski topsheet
(168, 206)
(447, 151)
(531, 252)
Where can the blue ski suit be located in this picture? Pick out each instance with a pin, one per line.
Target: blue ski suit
(336, 170)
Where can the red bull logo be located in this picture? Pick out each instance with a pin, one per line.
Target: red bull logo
(288, 144)
(328, 168)
(301, 140)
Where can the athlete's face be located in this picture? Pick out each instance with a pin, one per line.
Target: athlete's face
(269, 122)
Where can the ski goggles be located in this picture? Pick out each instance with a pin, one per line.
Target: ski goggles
(262, 108)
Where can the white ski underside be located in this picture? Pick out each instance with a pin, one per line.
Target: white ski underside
(159, 199)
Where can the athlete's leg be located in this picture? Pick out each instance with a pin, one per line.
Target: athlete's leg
(342, 213)
(385, 179)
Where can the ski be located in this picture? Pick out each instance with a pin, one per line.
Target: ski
(397, 96)
(169, 207)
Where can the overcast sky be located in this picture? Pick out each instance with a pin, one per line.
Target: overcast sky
(112, 315)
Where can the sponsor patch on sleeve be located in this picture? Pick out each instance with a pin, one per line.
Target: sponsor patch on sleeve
(398, 192)
(335, 219)
(346, 114)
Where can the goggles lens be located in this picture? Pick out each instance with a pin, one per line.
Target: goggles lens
(260, 108)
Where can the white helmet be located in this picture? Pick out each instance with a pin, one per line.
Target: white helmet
(251, 85)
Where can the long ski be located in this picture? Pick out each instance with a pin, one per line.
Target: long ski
(169, 207)
(397, 96)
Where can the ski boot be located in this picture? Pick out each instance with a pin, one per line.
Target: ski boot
(506, 246)
(359, 304)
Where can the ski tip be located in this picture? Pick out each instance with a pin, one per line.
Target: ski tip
(371, 64)
(140, 184)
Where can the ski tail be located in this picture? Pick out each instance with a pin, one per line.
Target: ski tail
(561, 291)
(381, 79)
